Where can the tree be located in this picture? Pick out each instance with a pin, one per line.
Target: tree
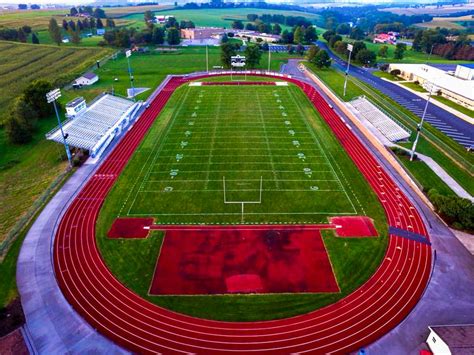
(252, 56)
(357, 46)
(340, 47)
(298, 35)
(416, 45)
(92, 22)
(35, 96)
(224, 38)
(65, 25)
(252, 17)
(21, 122)
(250, 27)
(366, 57)
(99, 23)
(290, 49)
(173, 36)
(310, 34)
(237, 25)
(333, 40)
(343, 29)
(21, 35)
(110, 23)
(34, 38)
(276, 30)
(227, 51)
(399, 51)
(383, 51)
(356, 33)
(158, 36)
(99, 13)
(75, 35)
(312, 51)
(287, 37)
(86, 23)
(328, 34)
(71, 25)
(322, 59)
(73, 11)
(80, 26)
(26, 29)
(300, 49)
(54, 31)
(148, 16)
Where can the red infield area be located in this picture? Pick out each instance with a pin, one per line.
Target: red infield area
(349, 226)
(242, 260)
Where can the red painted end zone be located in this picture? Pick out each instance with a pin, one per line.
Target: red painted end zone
(235, 260)
(211, 83)
(130, 228)
(354, 226)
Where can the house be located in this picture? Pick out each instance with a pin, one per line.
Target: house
(100, 31)
(451, 339)
(386, 38)
(87, 79)
(201, 32)
(162, 19)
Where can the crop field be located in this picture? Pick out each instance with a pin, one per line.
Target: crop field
(219, 17)
(23, 63)
(214, 147)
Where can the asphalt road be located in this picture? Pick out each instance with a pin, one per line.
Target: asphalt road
(454, 127)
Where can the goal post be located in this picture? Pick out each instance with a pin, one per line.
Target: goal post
(243, 202)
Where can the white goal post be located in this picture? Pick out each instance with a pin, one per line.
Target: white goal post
(243, 203)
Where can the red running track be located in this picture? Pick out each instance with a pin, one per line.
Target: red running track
(357, 320)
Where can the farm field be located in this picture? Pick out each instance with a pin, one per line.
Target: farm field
(217, 17)
(23, 63)
(205, 134)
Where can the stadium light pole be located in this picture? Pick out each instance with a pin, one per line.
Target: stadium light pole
(52, 96)
(418, 127)
(128, 55)
(269, 57)
(350, 47)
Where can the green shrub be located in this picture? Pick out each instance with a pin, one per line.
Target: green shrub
(456, 211)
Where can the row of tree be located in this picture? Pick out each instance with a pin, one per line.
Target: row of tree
(456, 211)
(26, 110)
(87, 24)
(299, 34)
(436, 41)
(127, 37)
(87, 11)
(18, 35)
(360, 53)
(280, 19)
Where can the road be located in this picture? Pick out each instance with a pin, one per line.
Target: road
(454, 127)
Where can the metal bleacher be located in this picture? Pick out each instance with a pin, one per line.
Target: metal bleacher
(99, 123)
(389, 128)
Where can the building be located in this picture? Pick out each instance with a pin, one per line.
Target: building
(465, 71)
(75, 107)
(162, 19)
(451, 339)
(386, 38)
(201, 32)
(255, 36)
(454, 87)
(87, 79)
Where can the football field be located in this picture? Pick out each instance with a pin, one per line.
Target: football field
(233, 154)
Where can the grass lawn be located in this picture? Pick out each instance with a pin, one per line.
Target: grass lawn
(425, 176)
(385, 75)
(415, 87)
(446, 152)
(454, 105)
(176, 175)
(217, 17)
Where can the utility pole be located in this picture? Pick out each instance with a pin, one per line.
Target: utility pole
(207, 60)
(269, 57)
(128, 54)
(350, 47)
(418, 127)
(52, 96)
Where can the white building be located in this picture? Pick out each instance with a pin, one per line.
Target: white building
(87, 79)
(451, 339)
(465, 71)
(75, 107)
(456, 88)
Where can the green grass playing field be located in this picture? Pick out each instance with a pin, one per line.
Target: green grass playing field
(242, 133)
(237, 136)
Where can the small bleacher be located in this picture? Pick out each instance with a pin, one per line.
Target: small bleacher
(98, 124)
(390, 129)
